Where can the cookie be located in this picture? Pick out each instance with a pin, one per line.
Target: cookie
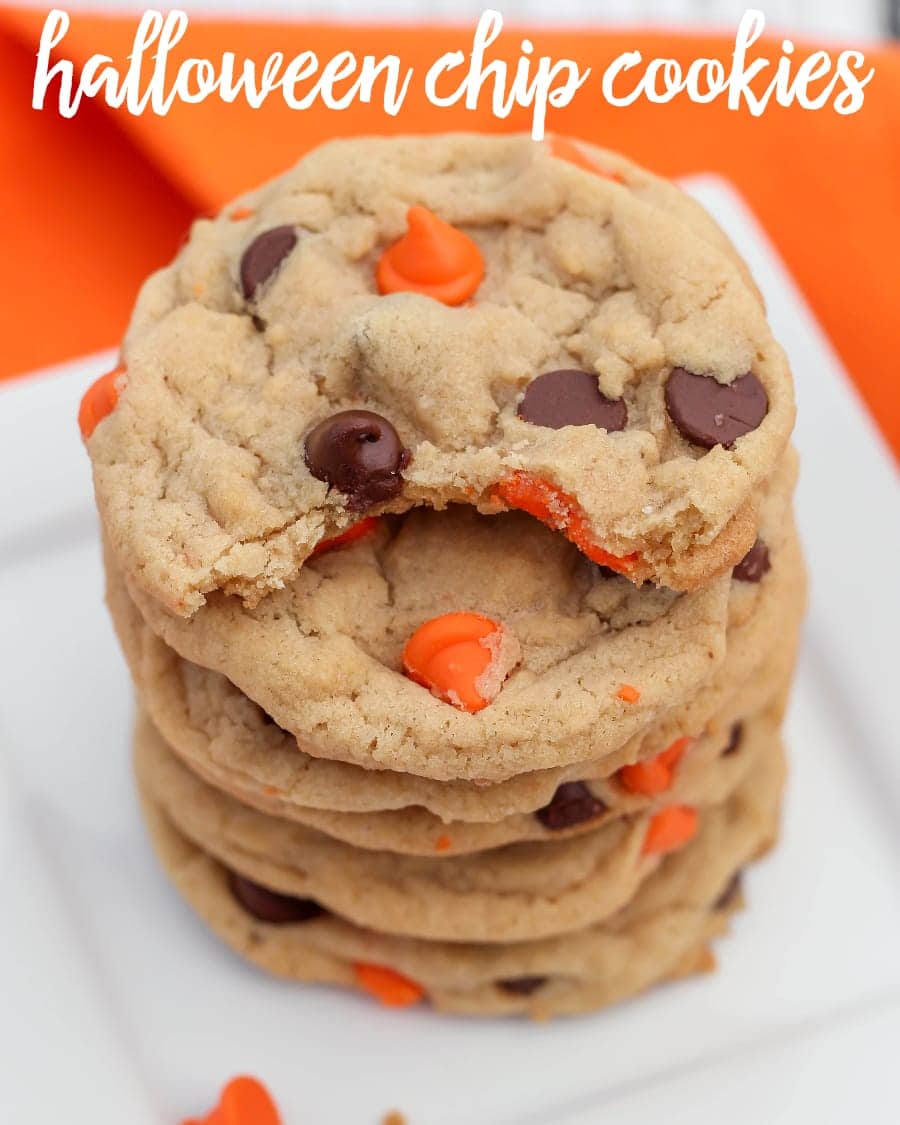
(232, 743)
(393, 323)
(519, 892)
(597, 658)
(325, 656)
(693, 772)
(656, 190)
(662, 933)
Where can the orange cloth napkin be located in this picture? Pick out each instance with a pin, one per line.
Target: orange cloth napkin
(88, 206)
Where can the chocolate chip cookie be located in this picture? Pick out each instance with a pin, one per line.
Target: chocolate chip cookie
(425, 321)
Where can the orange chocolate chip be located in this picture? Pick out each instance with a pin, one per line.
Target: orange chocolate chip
(99, 400)
(443, 844)
(673, 754)
(654, 775)
(433, 258)
(243, 1101)
(358, 530)
(647, 778)
(558, 510)
(536, 497)
(564, 149)
(628, 694)
(392, 989)
(670, 829)
(241, 213)
(579, 534)
(455, 655)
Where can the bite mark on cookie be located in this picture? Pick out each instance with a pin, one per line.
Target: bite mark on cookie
(558, 510)
(359, 530)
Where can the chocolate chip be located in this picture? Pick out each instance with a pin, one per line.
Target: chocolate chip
(573, 803)
(734, 739)
(269, 906)
(358, 453)
(709, 413)
(521, 986)
(571, 398)
(754, 564)
(732, 891)
(264, 255)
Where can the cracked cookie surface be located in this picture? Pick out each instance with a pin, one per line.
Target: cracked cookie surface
(202, 470)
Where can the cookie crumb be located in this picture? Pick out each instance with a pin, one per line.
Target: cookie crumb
(394, 1117)
(506, 653)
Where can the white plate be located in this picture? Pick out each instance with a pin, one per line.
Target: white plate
(118, 1007)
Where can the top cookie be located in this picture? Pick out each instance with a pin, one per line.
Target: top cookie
(412, 321)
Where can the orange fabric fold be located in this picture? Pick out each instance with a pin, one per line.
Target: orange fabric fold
(89, 206)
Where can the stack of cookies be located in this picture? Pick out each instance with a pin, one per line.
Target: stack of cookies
(447, 504)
